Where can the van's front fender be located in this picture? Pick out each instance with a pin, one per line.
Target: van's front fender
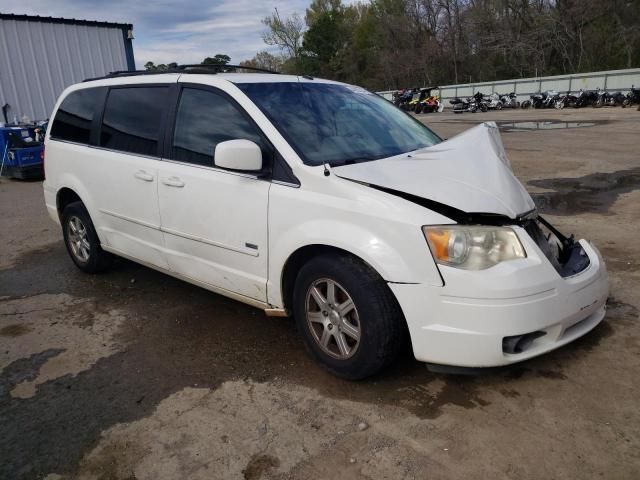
(395, 248)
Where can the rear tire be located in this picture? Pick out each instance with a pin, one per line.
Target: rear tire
(349, 320)
(81, 239)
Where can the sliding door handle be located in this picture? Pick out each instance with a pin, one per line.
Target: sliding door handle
(173, 182)
(142, 175)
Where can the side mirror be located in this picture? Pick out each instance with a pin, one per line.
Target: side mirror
(239, 155)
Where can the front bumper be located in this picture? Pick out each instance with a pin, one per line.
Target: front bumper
(464, 323)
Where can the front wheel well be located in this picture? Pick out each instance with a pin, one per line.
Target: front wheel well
(301, 256)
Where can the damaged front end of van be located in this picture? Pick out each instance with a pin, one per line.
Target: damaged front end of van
(513, 286)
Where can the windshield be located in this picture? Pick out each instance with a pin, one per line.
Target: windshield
(338, 124)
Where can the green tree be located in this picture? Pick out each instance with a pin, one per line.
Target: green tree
(161, 67)
(323, 40)
(388, 44)
(266, 61)
(217, 59)
(286, 34)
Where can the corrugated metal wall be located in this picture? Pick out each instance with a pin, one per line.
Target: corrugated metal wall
(613, 80)
(38, 60)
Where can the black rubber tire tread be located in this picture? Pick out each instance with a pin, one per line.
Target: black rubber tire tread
(382, 324)
(99, 260)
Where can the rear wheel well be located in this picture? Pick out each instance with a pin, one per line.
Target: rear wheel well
(65, 197)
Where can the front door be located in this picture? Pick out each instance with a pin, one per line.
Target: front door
(214, 221)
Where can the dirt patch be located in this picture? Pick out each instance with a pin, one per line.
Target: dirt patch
(552, 374)
(592, 193)
(259, 465)
(172, 336)
(14, 330)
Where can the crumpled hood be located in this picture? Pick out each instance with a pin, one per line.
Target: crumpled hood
(469, 172)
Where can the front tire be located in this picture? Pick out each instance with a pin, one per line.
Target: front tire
(81, 239)
(349, 320)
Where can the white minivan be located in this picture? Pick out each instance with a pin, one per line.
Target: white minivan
(323, 201)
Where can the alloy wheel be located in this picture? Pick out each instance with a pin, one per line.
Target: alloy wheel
(78, 239)
(332, 318)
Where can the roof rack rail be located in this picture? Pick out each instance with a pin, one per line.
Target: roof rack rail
(224, 67)
(204, 69)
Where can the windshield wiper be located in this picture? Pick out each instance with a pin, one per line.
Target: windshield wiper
(352, 161)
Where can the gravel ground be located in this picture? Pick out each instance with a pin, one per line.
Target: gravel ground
(134, 375)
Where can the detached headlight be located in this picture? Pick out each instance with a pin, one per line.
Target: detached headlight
(473, 248)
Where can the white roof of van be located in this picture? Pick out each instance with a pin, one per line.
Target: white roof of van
(198, 77)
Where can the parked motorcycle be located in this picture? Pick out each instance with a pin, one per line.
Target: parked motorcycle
(471, 104)
(586, 98)
(424, 101)
(403, 97)
(567, 100)
(551, 96)
(510, 100)
(430, 104)
(541, 100)
(632, 97)
(535, 101)
(608, 99)
(493, 101)
(481, 101)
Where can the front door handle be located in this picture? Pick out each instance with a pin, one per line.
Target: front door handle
(173, 182)
(142, 175)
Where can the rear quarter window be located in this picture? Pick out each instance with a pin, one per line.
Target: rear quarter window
(74, 116)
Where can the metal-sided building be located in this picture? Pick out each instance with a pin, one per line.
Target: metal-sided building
(41, 56)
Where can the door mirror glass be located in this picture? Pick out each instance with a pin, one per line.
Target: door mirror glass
(240, 155)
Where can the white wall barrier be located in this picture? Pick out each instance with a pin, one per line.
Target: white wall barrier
(612, 80)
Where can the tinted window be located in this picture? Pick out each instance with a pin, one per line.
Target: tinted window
(205, 119)
(338, 124)
(132, 119)
(74, 116)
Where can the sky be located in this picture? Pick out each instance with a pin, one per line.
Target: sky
(182, 31)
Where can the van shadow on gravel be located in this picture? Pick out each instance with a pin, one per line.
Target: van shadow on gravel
(594, 193)
(175, 336)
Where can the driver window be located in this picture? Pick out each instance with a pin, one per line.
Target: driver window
(203, 120)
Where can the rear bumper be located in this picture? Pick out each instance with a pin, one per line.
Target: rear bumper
(465, 322)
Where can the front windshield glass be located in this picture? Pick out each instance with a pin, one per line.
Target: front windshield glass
(338, 124)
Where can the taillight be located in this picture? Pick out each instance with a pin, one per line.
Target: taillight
(42, 160)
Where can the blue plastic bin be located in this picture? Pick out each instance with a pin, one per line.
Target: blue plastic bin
(20, 153)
